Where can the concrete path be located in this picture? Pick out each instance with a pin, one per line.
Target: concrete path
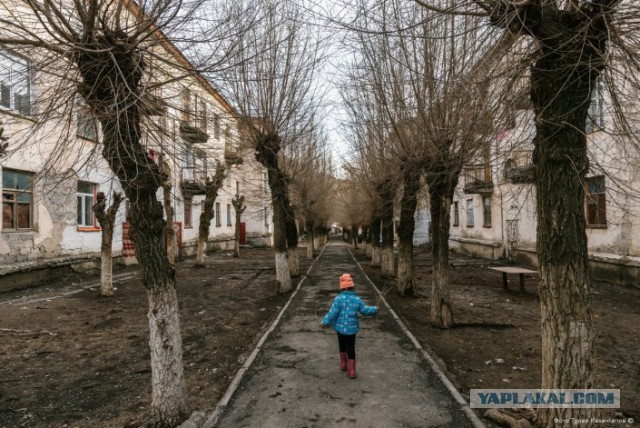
(296, 381)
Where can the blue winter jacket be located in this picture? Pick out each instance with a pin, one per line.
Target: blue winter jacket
(344, 312)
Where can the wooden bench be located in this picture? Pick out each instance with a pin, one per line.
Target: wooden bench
(513, 269)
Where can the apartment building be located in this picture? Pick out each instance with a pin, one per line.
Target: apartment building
(494, 209)
(52, 168)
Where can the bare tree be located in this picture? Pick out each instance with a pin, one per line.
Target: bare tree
(107, 218)
(274, 92)
(97, 57)
(572, 44)
(212, 186)
(427, 84)
(239, 206)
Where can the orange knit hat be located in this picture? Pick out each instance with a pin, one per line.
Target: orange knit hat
(346, 281)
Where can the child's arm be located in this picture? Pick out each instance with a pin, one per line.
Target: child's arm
(367, 310)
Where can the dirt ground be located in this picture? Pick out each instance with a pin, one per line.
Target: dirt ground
(71, 358)
(495, 342)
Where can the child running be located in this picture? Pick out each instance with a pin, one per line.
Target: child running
(344, 317)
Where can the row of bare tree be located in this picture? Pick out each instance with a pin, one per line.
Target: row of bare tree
(427, 91)
(105, 56)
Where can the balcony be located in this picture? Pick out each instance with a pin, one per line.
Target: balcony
(477, 179)
(193, 181)
(193, 133)
(232, 156)
(519, 167)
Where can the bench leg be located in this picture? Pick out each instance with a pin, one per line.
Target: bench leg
(505, 285)
(522, 283)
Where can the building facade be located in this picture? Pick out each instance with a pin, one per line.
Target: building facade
(52, 169)
(494, 208)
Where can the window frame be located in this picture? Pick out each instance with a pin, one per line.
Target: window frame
(86, 126)
(599, 201)
(15, 203)
(188, 213)
(83, 227)
(456, 214)
(595, 114)
(470, 214)
(487, 214)
(217, 215)
(15, 58)
(229, 223)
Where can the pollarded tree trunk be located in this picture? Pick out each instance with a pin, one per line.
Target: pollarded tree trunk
(111, 68)
(310, 238)
(388, 261)
(212, 187)
(354, 237)
(107, 222)
(239, 207)
(267, 149)
(375, 242)
(292, 241)
(411, 184)
(172, 245)
(320, 236)
(440, 198)
(170, 232)
(365, 239)
(561, 91)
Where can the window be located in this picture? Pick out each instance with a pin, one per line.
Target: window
(486, 211)
(86, 196)
(266, 216)
(15, 83)
(456, 214)
(229, 215)
(595, 117)
(265, 183)
(218, 222)
(17, 200)
(469, 212)
(596, 202)
(216, 126)
(186, 106)
(227, 137)
(86, 124)
(188, 203)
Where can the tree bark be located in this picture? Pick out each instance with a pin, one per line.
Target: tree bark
(107, 223)
(167, 378)
(310, 241)
(375, 242)
(212, 187)
(440, 198)
(267, 149)
(292, 240)
(388, 268)
(170, 232)
(111, 68)
(561, 87)
(411, 184)
(239, 207)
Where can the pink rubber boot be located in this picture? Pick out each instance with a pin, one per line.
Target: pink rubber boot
(351, 366)
(343, 361)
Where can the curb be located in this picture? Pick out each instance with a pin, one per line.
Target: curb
(212, 419)
(474, 419)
